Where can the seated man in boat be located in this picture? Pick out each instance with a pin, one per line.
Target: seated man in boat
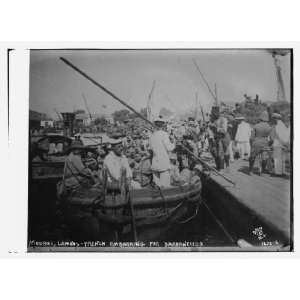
(115, 162)
(76, 174)
(142, 172)
(160, 144)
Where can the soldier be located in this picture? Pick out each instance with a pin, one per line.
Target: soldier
(242, 137)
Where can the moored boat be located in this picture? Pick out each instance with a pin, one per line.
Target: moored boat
(140, 214)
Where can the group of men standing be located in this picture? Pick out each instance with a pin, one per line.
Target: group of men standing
(268, 139)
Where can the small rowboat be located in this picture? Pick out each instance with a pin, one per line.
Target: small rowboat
(146, 213)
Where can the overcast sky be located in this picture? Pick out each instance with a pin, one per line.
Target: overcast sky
(130, 74)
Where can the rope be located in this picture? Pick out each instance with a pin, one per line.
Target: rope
(219, 223)
(162, 196)
(192, 217)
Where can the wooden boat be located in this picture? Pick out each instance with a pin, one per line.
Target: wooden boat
(48, 170)
(142, 214)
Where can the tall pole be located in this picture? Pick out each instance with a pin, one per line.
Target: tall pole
(205, 81)
(280, 85)
(196, 106)
(86, 105)
(149, 101)
(59, 116)
(216, 94)
(202, 112)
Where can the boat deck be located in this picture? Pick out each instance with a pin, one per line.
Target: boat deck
(268, 197)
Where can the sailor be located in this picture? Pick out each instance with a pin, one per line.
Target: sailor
(242, 137)
(260, 138)
(115, 162)
(160, 144)
(280, 137)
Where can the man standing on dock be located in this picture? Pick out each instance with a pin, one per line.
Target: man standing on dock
(221, 142)
(280, 137)
(242, 138)
(160, 144)
(260, 141)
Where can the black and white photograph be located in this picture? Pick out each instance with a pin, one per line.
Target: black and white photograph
(157, 150)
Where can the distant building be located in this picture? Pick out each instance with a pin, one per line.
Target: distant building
(82, 119)
(47, 123)
(109, 119)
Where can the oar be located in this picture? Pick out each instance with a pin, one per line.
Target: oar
(132, 215)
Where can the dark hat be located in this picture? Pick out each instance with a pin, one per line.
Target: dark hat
(160, 120)
(115, 142)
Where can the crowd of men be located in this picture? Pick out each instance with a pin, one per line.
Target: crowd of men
(167, 155)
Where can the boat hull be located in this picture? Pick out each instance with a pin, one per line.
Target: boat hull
(154, 212)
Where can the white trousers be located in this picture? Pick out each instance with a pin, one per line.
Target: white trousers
(162, 179)
(230, 150)
(244, 149)
(279, 161)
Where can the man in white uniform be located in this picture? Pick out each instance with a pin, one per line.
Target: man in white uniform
(280, 137)
(242, 138)
(160, 145)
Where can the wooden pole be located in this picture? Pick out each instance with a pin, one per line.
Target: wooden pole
(216, 94)
(205, 81)
(202, 112)
(86, 105)
(196, 106)
(149, 100)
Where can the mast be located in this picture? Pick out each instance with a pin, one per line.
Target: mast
(216, 95)
(149, 111)
(280, 86)
(205, 81)
(87, 108)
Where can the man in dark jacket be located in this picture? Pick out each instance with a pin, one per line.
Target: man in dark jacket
(260, 141)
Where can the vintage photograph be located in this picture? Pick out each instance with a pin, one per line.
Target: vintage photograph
(160, 150)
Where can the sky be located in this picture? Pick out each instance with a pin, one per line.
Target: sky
(130, 74)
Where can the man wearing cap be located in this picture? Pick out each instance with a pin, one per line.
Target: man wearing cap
(260, 140)
(75, 172)
(115, 161)
(280, 138)
(242, 137)
(160, 144)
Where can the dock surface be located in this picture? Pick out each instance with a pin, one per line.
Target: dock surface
(267, 196)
